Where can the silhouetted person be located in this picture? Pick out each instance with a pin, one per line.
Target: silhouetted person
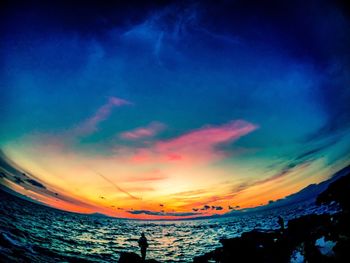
(281, 222)
(143, 244)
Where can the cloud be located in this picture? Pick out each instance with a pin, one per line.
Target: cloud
(205, 207)
(314, 152)
(143, 132)
(117, 187)
(203, 201)
(91, 124)
(207, 138)
(36, 183)
(195, 146)
(233, 207)
(154, 175)
(16, 175)
(18, 180)
(154, 213)
(286, 170)
(191, 193)
(208, 207)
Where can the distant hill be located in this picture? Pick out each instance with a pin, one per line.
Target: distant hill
(99, 215)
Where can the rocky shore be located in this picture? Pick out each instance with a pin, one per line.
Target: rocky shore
(130, 257)
(310, 238)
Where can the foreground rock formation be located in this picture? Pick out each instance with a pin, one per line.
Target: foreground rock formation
(130, 257)
(311, 238)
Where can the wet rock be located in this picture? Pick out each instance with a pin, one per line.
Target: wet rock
(311, 238)
(337, 191)
(130, 257)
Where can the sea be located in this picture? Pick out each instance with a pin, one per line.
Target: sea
(35, 233)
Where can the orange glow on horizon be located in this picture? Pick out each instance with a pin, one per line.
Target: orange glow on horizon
(187, 187)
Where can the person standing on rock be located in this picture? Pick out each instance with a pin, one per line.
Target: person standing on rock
(143, 244)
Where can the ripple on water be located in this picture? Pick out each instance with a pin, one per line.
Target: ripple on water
(47, 233)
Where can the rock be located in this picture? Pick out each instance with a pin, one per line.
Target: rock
(126, 257)
(254, 246)
(337, 191)
(130, 257)
(310, 238)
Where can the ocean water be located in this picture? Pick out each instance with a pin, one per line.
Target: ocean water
(41, 234)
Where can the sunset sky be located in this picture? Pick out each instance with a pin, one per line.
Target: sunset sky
(170, 110)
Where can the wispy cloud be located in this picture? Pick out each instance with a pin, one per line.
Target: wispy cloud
(195, 146)
(31, 187)
(155, 213)
(91, 124)
(117, 187)
(191, 194)
(205, 201)
(154, 175)
(285, 171)
(143, 132)
(36, 183)
(163, 30)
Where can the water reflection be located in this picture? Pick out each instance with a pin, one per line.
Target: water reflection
(100, 239)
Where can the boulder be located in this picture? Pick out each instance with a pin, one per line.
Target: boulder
(130, 257)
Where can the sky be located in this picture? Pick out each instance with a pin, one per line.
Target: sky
(172, 109)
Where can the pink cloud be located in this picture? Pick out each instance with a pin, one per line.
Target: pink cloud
(142, 155)
(151, 176)
(194, 146)
(90, 125)
(143, 132)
